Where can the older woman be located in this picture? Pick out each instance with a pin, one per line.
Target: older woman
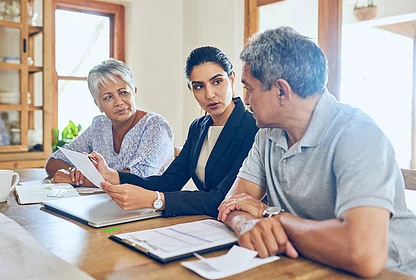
(214, 151)
(130, 140)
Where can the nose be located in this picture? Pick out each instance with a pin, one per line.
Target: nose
(209, 92)
(246, 98)
(118, 100)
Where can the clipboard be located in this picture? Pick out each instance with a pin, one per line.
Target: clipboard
(199, 237)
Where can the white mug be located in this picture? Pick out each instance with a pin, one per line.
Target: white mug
(6, 186)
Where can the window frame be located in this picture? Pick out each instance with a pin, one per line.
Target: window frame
(117, 40)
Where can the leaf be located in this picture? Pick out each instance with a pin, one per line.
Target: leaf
(65, 132)
(73, 128)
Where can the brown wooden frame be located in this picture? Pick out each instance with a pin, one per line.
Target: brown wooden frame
(116, 14)
(329, 34)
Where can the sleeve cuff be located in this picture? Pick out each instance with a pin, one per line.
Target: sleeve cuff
(365, 202)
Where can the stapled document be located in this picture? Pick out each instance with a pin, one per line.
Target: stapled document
(32, 193)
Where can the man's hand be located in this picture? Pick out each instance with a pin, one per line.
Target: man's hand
(62, 176)
(130, 197)
(266, 236)
(241, 202)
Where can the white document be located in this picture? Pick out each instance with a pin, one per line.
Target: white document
(181, 239)
(35, 192)
(84, 164)
(237, 260)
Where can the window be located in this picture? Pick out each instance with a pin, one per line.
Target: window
(377, 78)
(84, 37)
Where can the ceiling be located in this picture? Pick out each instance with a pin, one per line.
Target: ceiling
(407, 28)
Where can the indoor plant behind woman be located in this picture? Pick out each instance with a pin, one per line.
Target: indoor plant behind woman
(214, 151)
(130, 140)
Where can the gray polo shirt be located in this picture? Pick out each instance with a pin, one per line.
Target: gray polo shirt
(343, 161)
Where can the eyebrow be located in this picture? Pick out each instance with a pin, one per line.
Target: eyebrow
(213, 78)
(120, 89)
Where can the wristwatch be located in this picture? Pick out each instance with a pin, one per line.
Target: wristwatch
(272, 211)
(158, 203)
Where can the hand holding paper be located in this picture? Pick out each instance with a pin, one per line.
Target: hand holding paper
(84, 164)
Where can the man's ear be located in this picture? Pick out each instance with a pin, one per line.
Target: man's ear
(284, 88)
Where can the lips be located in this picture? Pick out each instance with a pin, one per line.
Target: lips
(213, 104)
(122, 111)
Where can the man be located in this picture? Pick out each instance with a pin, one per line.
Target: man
(327, 169)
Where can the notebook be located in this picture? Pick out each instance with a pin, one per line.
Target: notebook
(97, 210)
(179, 241)
(37, 191)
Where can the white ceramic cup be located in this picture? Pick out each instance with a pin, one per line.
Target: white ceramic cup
(6, 186)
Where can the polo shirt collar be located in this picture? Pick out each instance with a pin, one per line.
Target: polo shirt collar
(321, 117)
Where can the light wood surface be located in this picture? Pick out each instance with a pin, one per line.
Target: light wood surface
(91, 250)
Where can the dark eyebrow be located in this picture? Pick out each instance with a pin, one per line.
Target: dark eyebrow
(213, 78)
(216, 76)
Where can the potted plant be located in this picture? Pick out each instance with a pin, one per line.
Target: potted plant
(68, 134)
(366, 12)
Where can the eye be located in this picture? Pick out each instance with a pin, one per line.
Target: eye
(107, 97)
(217, 81)
(197, 86)
(124, 92)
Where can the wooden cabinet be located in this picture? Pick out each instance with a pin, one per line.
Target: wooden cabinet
(26, 56)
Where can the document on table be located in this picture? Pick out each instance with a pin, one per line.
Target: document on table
(179, 241)
(237, 260)
(35, 192)
(84, 164)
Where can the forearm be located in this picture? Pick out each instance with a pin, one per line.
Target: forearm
(239, 221)
(54, 165)
(334, 243)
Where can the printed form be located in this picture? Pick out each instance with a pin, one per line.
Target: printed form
(176, 240)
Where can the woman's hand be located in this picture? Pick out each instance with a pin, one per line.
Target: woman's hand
(108, 174)
(130, 197)
(241, 202)
(62, 176)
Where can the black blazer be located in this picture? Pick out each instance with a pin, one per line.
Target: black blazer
(221, 170)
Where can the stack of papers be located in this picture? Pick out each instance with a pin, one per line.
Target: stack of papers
(237, 260)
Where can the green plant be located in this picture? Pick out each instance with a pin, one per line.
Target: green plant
(68, 134)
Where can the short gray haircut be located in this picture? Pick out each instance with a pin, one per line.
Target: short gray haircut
(283, 53)
(106, 72)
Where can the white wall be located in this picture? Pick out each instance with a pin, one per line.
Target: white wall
(283, 14)
(159, 36)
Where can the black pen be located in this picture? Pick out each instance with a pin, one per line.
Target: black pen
(93, 161)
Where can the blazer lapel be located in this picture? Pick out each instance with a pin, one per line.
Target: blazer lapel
(200, 138)
(226, 138)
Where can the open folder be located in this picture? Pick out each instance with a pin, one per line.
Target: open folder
(179, 241)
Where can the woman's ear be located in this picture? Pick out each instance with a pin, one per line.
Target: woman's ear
(135, 90)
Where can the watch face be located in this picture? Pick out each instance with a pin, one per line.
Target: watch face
(158, 203)
(273, 210)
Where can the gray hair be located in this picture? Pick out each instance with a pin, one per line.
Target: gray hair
(106, 72)
(283, 53)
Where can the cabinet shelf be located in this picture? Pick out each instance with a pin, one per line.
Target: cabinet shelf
(35, 69)
(10, 66)
(10, 24)
(33, 30)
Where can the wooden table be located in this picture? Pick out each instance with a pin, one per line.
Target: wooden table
(91, 250)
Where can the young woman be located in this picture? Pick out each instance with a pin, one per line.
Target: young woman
(130, 140)
(214, 151)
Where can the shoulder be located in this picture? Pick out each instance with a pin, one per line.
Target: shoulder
(248, 121)
(152, 118)
(100, 121)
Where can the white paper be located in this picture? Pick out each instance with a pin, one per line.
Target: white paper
(237, 260)
(84, 164)
(35, 193)
(183, 238)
